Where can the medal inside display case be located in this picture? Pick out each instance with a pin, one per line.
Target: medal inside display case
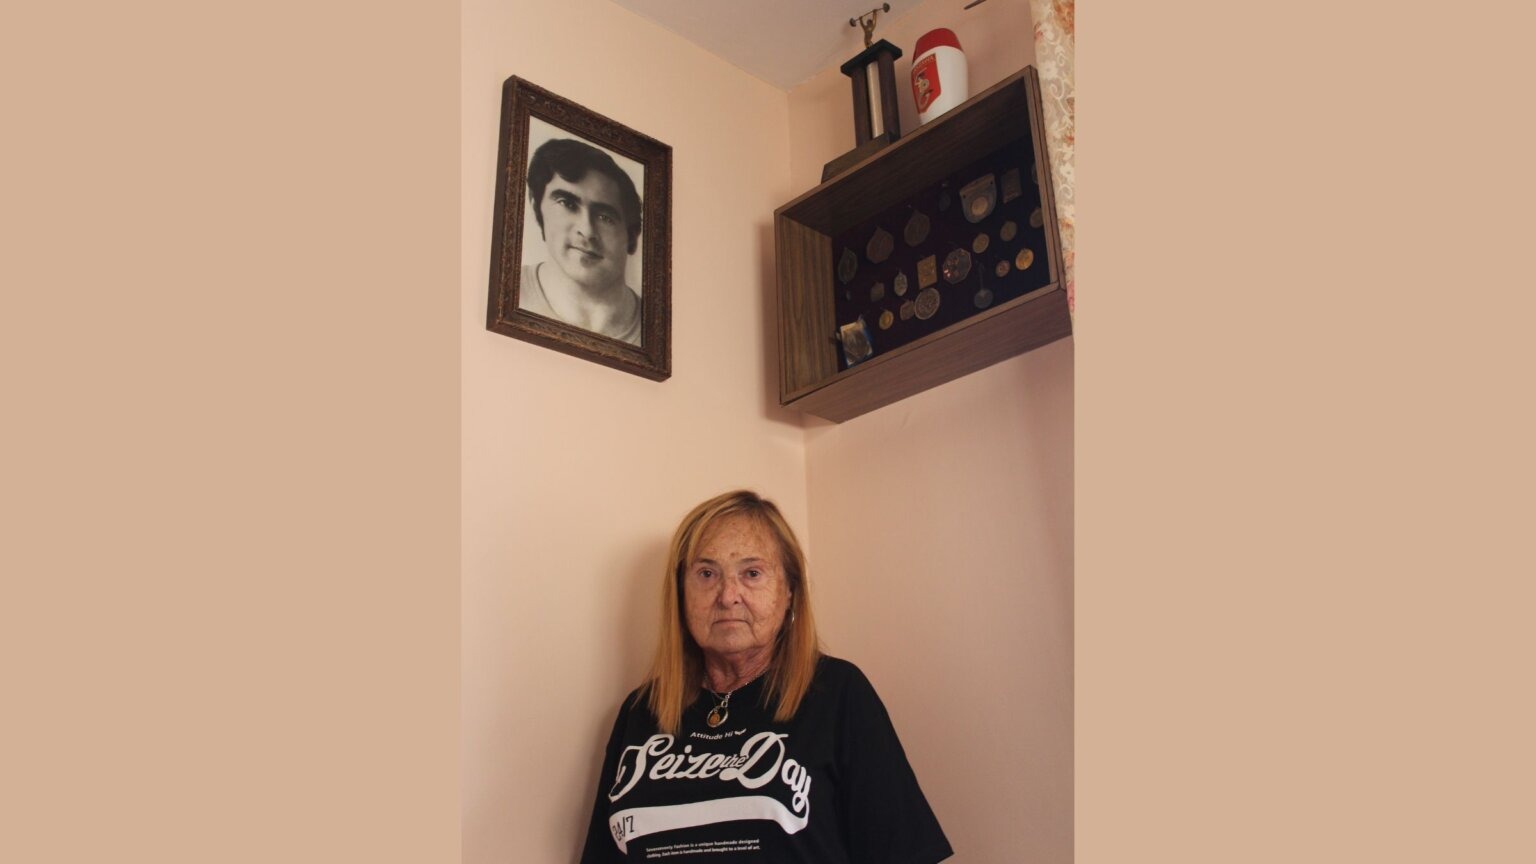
(987, 257)
(933, 259)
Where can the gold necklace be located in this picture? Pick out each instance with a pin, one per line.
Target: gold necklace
(722, 709)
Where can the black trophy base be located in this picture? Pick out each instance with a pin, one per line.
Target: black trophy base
(857, 155)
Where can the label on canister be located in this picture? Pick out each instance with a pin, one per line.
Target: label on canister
(939, 74)
(926, 83)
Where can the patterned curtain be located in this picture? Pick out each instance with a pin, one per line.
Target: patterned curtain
(1053, 58)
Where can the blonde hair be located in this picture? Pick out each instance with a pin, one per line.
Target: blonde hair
(678, 668)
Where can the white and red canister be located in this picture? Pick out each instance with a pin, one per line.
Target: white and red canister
(938, 74)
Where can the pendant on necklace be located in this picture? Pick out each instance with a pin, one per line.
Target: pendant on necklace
(716, 717)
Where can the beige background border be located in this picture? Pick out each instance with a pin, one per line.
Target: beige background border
(1303, 570)
(1304, 435)
(229, 626)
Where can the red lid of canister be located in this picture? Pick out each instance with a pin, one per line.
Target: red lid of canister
(935, 38)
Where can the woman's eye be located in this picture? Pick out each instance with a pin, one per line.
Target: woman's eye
(754, 574)
(706, 574)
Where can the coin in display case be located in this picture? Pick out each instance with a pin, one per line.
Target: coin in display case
(1012, 187)
(886, 320)
(880, 245)
(877, 292)
(983, 298)
(1002, 268)
(1035, 220)
(899, 284)
(1009, 230)
(907, 308)
(855, 339)
(916, 230)
(847, 266)
(980, 244)
(979, 197)
(927, 271)
(927, 303)
(1025, 258)
(957, 266)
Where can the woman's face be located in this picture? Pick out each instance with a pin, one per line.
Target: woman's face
(735, 592)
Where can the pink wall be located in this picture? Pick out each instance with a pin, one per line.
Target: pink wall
(943, 528)
(575, 474)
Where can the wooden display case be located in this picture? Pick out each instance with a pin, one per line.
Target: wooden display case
(812, 377)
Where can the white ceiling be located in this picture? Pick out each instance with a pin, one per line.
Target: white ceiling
(783, 42)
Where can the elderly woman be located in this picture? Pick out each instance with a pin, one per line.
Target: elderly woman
(746, 743)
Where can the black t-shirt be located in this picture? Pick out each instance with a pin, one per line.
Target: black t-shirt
(831, 786)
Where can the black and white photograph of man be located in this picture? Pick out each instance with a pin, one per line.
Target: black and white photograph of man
(582, 265)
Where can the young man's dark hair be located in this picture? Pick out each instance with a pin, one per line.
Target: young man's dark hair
(572, 160)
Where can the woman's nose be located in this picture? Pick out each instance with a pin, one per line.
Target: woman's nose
(730, 591)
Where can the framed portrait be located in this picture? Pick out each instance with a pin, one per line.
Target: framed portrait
(581, 246)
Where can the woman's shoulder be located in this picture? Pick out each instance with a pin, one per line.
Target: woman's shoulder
(634, 715)
(636, 700)
(844, 687)
(836, 672)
